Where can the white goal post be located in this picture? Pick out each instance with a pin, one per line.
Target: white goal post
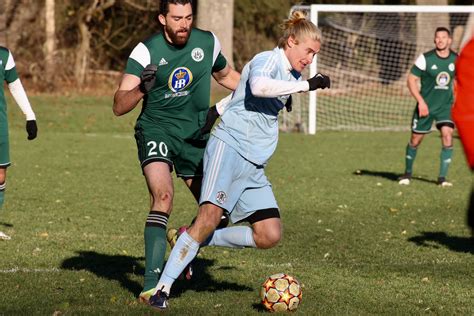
(368, 50)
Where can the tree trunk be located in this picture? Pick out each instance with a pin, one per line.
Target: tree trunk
(426, 24)
(3, 23)
(50, 42)
(81, 65)
(218, 17)
(82, 53)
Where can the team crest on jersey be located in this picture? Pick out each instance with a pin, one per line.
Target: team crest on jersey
(179, 79)
(442, 80)
(197, 54)
(451, 67)
(221, 197)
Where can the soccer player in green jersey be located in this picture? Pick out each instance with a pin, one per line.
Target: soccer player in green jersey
(9, 74)
(434, 72)
(171, 71)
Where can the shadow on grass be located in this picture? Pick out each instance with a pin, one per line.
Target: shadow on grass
(388, 175)
(119, 268)
(110, 267)
(437, 239)
(202, 280)
(259, 307)
(6, 224)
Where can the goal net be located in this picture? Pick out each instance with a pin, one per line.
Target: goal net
(368, 50)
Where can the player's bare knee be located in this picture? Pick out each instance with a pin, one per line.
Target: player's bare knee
(268, 239)
(162, 200)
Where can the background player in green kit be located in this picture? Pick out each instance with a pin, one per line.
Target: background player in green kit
(172, 72)
(434, 71)
(8, 73)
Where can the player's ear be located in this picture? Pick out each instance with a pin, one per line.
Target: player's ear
(162, 19)
(291, 41)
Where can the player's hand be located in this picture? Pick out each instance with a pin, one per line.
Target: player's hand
(211, 118)
(319, 81)
(148, 78)
(423, 110)
(289, 104)
(31, 129)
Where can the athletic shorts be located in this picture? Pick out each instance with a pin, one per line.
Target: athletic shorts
(155, 144)
(422, 125)
(234, 183)
(4, 151)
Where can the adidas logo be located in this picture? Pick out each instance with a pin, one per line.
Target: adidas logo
(163, 62)
(434, 67)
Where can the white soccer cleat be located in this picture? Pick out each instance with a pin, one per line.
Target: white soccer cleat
(405, 181)
(443, 183)
(4, 236)
(446, 184)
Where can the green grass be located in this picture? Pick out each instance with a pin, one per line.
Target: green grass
(76, 204)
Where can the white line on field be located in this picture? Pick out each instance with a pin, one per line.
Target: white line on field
(27, 270)
(121, 136)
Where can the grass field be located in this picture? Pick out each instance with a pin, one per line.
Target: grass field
(76, 204)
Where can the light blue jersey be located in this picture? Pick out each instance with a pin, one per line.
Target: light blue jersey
(249, 123)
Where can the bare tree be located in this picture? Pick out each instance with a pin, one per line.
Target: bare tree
(84, 17)
(50, 42)
(426, 24)
(3, 22)
(218, 17)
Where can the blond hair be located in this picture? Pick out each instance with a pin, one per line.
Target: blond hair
(298, 27)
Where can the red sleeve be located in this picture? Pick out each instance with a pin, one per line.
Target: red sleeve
(463, 110)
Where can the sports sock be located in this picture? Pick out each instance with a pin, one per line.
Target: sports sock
(410, 158)
(183, 253)
(155, 247)
(233, 237)
(445, 160)
(2, 192)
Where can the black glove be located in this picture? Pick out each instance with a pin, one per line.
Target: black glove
(289, 104)
(319, 81)
(148, 78)
(31, 129)
(211, 118)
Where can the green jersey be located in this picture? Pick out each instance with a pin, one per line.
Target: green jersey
(179, 101)
(437, 77)
(7, 73)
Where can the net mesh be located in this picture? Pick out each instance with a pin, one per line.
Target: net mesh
(368, 57)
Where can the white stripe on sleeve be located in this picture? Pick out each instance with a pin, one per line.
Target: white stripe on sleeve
(217, 48)
(10, 61)
(421, 62)
(141, 54)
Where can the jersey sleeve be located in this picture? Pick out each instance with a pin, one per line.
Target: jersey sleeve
(138, 60)
(420, 66)
(264, 65)
(10, 69)
(218, 60)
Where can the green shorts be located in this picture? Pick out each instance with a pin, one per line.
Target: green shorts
(4, 151)
(423, 125)
(156, 144)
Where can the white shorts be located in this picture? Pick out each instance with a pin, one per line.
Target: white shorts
(234, 183)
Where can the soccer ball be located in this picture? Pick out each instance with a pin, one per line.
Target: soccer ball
(281, 292)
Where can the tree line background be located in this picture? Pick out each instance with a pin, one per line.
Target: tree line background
(82, 43)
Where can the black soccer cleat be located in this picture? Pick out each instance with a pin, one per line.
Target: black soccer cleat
(159, 301)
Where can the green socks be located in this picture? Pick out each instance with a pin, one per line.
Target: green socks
(410, 158)
(445, 160)
(2, 193)
(155, 247)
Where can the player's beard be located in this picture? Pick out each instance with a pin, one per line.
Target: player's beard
(178, 37)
